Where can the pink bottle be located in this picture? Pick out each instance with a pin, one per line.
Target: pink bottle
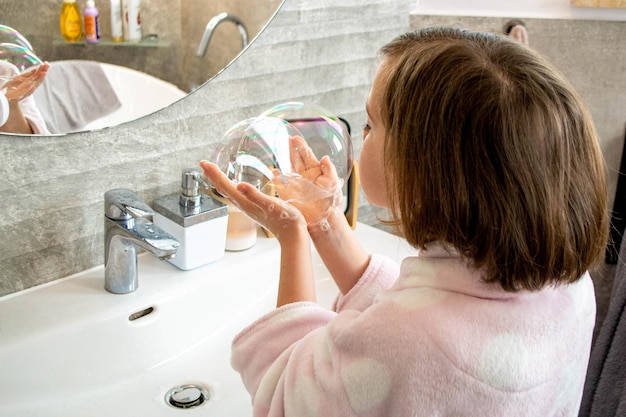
(92, 23)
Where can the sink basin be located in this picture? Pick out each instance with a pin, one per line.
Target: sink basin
(69, 348)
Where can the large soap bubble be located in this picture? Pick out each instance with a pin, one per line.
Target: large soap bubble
(252, 149)
(21, 57)
(14, 60)
(324, 132)
(10, 35)
(261, 151)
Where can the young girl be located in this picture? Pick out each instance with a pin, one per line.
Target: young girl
(491, 166)
(24, 117)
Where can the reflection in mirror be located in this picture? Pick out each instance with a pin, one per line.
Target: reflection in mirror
(166, 58)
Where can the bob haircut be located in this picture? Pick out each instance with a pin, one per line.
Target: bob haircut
(492, 152)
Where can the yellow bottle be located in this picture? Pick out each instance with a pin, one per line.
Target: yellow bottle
(71, 26)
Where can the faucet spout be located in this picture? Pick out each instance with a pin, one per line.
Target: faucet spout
(127, 227)
(213, 23)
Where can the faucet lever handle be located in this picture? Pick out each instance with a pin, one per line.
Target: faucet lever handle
(123, 204)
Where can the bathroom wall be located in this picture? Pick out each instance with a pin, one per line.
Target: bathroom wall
(51, 188)
(535, 9)
(320, 51)
(178, 24)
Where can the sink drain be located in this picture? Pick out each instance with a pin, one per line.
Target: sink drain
(187, 396)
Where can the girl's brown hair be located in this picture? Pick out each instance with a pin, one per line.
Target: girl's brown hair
(492, 152)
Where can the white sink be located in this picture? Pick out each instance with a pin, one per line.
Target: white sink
(68, 348)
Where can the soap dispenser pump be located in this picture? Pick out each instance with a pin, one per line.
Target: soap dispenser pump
(196, 220)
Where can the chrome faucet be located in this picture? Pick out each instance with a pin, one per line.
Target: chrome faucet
(128, 226)
(213, 23)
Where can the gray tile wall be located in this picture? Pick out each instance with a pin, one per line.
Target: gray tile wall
(51, 188)
(319, 51)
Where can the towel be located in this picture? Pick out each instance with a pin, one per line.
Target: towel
(74, 93)
(605, 388)
(436, 341)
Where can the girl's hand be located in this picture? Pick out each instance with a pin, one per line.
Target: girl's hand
(314, 187)
(23, 85)
(296, 281)
(277, 216)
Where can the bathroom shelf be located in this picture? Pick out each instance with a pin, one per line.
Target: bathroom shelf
(145, 43)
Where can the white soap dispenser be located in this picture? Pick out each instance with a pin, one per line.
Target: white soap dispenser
(197, 221)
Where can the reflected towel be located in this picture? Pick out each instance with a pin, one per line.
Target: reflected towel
(74, 93)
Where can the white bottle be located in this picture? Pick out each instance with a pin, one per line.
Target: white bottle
(197, 221)
(131, 22)
(117, 31)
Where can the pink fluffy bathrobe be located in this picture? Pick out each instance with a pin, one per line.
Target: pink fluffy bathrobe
(429, 340)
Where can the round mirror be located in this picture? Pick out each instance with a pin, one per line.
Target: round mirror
(136, 78)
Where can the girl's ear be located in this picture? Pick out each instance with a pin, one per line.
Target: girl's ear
(516, 29)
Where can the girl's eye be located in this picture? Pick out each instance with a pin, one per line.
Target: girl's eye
(366, 130)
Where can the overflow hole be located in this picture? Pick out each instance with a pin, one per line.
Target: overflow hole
(140, 314)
